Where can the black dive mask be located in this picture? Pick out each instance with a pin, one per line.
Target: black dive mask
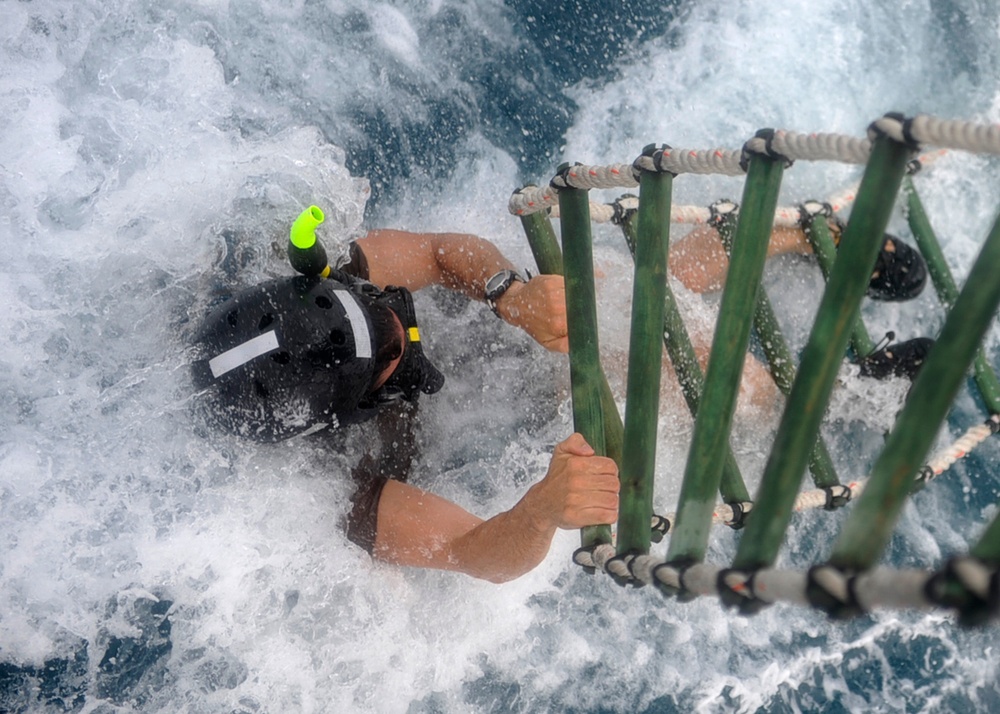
(415, 373)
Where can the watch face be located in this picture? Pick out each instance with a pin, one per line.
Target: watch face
(498, 281)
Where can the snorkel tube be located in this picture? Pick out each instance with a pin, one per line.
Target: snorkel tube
(414, 373)
(305, 252)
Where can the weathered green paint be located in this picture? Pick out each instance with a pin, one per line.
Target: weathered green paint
(819, 237)
(870, 525)
(544, 244)
(689, 375)
(548, 257)
(713, 422)
(781, 364)
(837, 314)
(642, 400)
(584, 348)
(944, 284)
(987, 548)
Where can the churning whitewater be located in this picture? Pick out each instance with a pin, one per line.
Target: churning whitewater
(152, 158)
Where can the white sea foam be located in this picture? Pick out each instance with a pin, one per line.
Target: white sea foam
(142, 166)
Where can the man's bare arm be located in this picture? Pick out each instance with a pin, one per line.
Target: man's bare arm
(464, 263)
(420, 529)
(699, 261)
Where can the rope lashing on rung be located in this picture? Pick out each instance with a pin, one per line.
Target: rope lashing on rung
(785, 216)
(840, 594)
(659, 527)
(973, 575)
(924, 129)
(791, 145)
(964, 445)
(831, 498)
(970, 586)
(595, 557)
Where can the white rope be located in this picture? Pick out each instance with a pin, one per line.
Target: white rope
(817, 498)
(972, 438)
(691, 161)
(812, 147)
(724, 514)
(784, 216)
(945, 133)
(821, 147)
(921, 130)
(594, 177)
(605, 212)
(601, 555)
(879, 587)
(532, 199)
(876, 588)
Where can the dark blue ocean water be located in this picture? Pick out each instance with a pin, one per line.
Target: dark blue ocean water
(150, 147)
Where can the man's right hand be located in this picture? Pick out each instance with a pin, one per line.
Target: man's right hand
(420, 529)
(580, 488)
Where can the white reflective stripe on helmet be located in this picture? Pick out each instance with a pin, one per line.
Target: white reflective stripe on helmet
(359, 326)
(243, 353)
(268, 342)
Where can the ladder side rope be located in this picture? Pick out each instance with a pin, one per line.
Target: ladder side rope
(923, 129)
(821, 147)
(879, 587)
(785, 216)
(532, 199)
(808, 147)
(829, 498)
(686, 161)
(596, 177)
(946, 133)
(842, 593)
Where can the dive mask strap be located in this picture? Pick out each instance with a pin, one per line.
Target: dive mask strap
(415, 372)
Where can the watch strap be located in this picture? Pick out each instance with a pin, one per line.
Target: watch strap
(497, 286)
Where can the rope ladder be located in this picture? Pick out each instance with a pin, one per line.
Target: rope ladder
(850, 582)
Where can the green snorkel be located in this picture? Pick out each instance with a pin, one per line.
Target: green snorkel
(305, 252)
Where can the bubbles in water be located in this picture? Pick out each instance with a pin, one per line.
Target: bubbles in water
(152, 158)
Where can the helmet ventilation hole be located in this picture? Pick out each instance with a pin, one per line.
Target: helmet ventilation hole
(281, 357)
(261, 390)
(231, 317)
(324, 302)
(338, 338)
(265, 321)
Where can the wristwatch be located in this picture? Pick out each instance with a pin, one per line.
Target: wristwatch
(498, 285)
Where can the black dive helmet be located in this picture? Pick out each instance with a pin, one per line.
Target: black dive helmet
(296, 353)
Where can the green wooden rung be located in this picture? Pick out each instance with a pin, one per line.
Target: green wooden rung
(548, 257)
(713, 422)
(644, 363)
(677, 341)
(818, 234)
(892, 477)
(837, 315)
(946, 288)
(781, 363)
(584, 349)
(987, 548)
